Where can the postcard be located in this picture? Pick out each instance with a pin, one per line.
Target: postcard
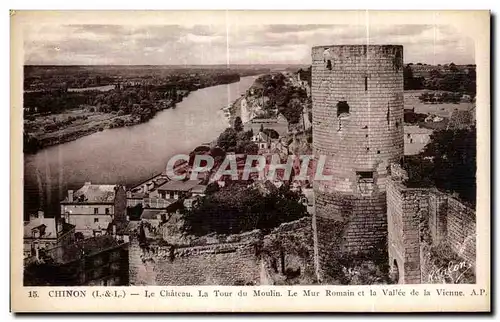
(250, 161)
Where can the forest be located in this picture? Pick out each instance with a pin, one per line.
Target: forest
(123, 96)
(282, 96)
(455, 79)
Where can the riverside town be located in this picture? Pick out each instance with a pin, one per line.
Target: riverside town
(269, 155)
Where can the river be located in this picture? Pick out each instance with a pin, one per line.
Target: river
(127, 155)
(104, 88)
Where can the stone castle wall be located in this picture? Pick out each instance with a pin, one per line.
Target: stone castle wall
(370, 136)
(357, 94)
(461, 229)
(238, 261)
(288, 254)
(216, 264)
(419, 219)
(405, 210)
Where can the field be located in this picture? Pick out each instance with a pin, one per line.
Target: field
(443, 109)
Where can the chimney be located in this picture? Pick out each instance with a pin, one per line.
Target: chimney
(70, 195)
(129, 194)
(158, 217)
(59, 225)
(145, 188)
(40, 214)
(88, 183)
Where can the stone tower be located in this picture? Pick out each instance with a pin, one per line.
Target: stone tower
(357, 95)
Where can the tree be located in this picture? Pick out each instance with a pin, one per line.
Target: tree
(272, 133)
(435, 74)
(251, 148)
(238, 124)
(293, 111)
(244, 136)
(218, 154)
(448, 162)
(411, 82)
(239, 208)
(212, 187)
(227, 139)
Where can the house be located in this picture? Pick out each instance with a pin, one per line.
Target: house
(154, 218)
(93, 207)
(177, 189)
(278, 123)
(199, 190)
(262, 140)
(94, 261)
(151, 220)
(191, 202)
(120, 230)
(145, 189)
(45, 233)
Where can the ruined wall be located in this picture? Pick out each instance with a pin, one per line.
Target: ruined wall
(288, 254)
(219, 264)
(241, 259)
(230, 266)
(357, 94)
(406, 208)
(461, 229)
(422, 223)
(438, 210)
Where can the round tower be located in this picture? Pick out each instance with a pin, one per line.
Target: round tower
(357, 95)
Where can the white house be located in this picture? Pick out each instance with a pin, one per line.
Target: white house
(262, 140)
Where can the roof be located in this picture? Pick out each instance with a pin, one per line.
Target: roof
(122, 227)
(87, 247)
(94, 193)
(150, 213)
(156, 178)
(37, 223)
(199, 188)
(137, 191)
(262, 137)
(178, 185)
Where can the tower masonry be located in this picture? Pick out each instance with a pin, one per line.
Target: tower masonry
(357, 95)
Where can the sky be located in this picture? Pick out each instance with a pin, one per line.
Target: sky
(235, 44)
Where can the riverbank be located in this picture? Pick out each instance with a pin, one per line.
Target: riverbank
(43, 131)
(53, 129)
(249, 102)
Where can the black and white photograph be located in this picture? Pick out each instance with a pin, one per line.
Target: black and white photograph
(252, 154)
